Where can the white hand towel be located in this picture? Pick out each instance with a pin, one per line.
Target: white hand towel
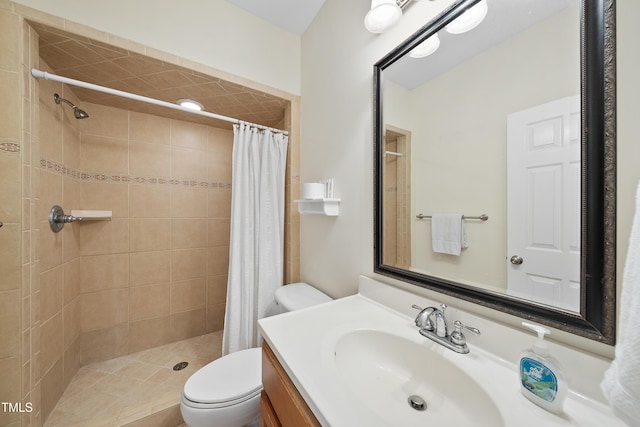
(448, 233)
(621, 384)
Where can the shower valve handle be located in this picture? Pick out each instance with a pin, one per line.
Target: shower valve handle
(57, 218)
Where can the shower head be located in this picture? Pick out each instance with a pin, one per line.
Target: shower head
(78, 113)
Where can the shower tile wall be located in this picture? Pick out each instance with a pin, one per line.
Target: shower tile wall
(56, 309)
(15, 237)
(157, 272)
(390, 203)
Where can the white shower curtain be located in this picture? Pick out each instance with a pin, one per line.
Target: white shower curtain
(256, 250)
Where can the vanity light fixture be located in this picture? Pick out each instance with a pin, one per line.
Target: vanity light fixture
(191, 104)
(469, 19)
(383, 14)
(426, 48)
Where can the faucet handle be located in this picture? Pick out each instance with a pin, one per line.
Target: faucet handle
(457, 337)
(474, 331)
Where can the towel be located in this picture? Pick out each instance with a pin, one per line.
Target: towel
(621, 384)
(448, 233)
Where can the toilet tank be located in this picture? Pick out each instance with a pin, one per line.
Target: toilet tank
(297, 296)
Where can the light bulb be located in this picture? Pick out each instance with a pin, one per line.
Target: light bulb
(426, 48)
(383, 14)
(469, 19)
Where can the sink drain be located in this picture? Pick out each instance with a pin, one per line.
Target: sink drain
(180, 366)
(417, 403)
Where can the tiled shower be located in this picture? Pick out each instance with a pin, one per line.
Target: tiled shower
(98, 290)
(156, 272)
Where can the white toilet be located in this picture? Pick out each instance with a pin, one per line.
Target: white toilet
(226, 392)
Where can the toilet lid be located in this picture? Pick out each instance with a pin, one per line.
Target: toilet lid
(297, 296)
(229, 378)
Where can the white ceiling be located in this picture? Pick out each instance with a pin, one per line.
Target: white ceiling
(291, 15)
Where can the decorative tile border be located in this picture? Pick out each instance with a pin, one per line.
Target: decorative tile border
(9, 147)
(60, 169)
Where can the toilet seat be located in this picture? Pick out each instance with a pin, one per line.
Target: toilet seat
(238, 378)
(198, 405)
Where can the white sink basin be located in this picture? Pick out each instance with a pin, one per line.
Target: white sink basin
(383, 370)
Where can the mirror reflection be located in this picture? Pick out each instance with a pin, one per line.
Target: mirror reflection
(488, 123)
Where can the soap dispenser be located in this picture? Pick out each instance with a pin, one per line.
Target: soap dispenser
(541, 378)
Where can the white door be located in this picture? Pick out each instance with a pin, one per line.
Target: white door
(543, 209)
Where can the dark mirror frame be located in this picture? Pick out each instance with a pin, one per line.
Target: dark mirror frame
(597, 317)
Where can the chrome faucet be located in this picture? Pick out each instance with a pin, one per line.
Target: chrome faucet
(433, 325)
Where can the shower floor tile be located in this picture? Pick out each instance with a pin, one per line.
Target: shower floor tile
(119, 391)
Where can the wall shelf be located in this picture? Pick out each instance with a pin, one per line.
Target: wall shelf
(57, 218)
(92, 215)
(328, 207)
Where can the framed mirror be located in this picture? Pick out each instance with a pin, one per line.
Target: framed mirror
(494, 169)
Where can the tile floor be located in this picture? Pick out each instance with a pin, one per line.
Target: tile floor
(125, 390)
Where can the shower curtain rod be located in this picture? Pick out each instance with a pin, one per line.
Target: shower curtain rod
(48, 76)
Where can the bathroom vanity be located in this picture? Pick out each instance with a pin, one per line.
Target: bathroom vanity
(281, 404)
(360, 360)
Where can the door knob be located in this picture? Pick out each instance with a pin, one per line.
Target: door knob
(516, 260)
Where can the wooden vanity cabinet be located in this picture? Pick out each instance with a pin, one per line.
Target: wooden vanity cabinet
(281, 404)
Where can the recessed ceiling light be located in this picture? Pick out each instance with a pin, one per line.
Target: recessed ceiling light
(190, 104)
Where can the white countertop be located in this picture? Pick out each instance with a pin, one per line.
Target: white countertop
(304, 343)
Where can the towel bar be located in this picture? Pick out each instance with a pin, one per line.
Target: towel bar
(482, 217)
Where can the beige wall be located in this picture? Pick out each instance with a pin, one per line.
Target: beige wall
(338, 54)
(628, 109)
